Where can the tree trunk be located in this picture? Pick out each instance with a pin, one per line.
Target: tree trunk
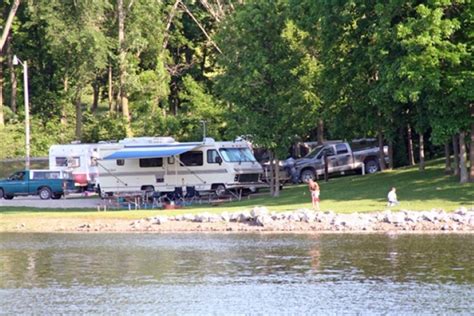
(78, 104)
(320, 132)
(381, 152)
(111, 91)
(123, 66)
(276, 191)
(462, 158)
(411, 156)
(471, 147)
(95, 98)
(2, 119)
(456, 155)
(272, 174)
(422, 152)
(64, 104)
(8, 24)
(448, 169)
(390, 154)
(13, 81)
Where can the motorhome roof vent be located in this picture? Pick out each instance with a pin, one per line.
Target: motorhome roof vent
(209, 140)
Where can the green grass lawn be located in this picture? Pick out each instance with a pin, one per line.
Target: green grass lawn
(416, 190)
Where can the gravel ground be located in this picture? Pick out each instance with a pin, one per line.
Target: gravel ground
(71, 201)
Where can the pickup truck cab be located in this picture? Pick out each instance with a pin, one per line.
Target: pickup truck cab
(340, 158)
(45, 183)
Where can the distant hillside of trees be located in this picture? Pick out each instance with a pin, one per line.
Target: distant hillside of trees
(280, 71)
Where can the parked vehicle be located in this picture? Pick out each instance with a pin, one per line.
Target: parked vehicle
(340, 158)
(78, 159)
(45, 183)
(161, 164)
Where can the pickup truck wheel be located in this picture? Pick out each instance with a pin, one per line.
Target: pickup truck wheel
(371, 166)
(307, 175)
(1, 194)
(45, 193)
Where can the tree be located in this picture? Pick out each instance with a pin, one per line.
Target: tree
(3, 39)
(261, 78)
(77, 42)
(8, 23)
(436, 68)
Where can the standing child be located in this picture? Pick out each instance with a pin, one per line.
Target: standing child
(392, 197)
(314, 190)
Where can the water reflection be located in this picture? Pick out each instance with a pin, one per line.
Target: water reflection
(267, 272)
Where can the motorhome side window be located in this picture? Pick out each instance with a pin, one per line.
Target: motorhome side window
(191, 158)
(74, 162)
(120, 162)
(61, 162)
(151, 162)
(212, 156)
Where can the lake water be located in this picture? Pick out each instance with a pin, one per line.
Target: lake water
(181, 274)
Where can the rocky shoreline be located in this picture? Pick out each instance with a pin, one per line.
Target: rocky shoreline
(260, 219)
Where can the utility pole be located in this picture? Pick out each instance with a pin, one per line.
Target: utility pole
(203, 129)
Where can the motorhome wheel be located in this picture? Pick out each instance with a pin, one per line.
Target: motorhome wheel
(220, 190)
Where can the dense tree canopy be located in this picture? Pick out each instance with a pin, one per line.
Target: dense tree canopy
(275, 70)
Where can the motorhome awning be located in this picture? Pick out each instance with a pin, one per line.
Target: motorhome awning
(149, 152)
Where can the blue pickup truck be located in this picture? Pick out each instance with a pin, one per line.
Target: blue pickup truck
(48, 184)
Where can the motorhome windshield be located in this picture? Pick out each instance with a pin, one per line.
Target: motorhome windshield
(237, 154)
(313, 152)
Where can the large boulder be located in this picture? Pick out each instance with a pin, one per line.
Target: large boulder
(307, 216)
(202, 217)
(225, 217)
(263, 220)
(243, 217)
(258, 210)
(159, 220)
(461, 211)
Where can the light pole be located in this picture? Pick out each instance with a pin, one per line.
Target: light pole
(17, 61)
(203, 129)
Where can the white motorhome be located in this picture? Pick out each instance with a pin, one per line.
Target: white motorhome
(161, 164)
(78, 159)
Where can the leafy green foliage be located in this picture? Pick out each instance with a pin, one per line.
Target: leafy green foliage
(260, 76)
(103, 127)
(363, 66)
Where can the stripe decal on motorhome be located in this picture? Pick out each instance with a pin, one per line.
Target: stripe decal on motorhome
(171, 173)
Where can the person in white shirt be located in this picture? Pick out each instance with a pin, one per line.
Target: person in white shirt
(392, 197)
